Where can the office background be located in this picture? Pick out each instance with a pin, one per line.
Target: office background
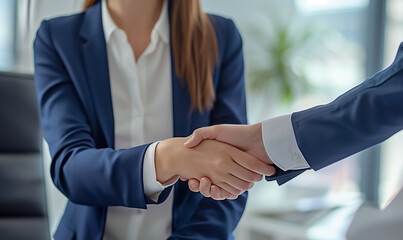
(298, 53)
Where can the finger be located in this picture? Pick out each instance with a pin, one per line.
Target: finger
(237, 183)
(201, 134)
(183, 179)
(217, 193)
(205, 184)
(245, 174)
(253, 164)
(227, 187)
(228, 195)
(220, 194)
(194, 185)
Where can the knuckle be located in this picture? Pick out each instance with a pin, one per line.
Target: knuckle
(196, 132)
(217, 165)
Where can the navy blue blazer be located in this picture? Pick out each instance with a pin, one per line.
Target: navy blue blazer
(360, 118)
(73, 88)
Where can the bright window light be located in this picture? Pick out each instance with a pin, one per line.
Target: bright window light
(319, 6)
(6, 34)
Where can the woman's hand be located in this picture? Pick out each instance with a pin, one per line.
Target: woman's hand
(229, 168)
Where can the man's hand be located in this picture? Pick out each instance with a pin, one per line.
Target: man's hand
(245, 137)
(229, 168)
(248, 138)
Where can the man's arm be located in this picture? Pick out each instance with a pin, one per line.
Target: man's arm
(360, 118)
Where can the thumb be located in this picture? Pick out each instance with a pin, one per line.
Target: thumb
(199, 135)
(193, 141)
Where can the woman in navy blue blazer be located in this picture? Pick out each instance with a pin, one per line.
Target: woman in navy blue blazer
(76, 76)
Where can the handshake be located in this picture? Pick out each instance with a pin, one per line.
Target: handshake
(220, 162)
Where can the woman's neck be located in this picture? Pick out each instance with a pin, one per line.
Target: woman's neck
(137, 18)
(135, 15)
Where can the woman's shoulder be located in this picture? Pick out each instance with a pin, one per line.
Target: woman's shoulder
(228, 36)
(66, 24)
(222, 24)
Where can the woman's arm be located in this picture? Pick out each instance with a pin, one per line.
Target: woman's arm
(85, 170)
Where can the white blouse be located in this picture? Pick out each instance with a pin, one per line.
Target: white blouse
(142, 108)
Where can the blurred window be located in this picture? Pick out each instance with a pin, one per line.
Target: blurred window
(391, 177)
(298, 54)
(319, 47)
(7, 26)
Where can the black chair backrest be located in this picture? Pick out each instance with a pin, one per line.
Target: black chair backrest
(23, 211)
(19, 122)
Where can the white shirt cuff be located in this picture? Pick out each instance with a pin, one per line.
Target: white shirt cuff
(152, 188)
(281, 145)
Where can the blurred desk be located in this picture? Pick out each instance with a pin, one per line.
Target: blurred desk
(371, 223)
(318, 221)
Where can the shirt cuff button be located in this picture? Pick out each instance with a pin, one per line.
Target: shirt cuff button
(296, 158)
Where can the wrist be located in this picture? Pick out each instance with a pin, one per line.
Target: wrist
(164, 162)
(257, 142)
(256, 134)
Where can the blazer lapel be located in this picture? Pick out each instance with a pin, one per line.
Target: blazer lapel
(96, 66)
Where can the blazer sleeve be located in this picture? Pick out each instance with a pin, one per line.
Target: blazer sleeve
(360, 118)
(218, 219)
(84, 172)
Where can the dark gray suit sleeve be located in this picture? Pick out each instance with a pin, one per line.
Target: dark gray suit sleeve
(360, 118)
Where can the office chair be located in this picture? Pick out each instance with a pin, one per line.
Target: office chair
(23, 212)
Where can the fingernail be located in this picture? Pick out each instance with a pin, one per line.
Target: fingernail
(192, 184)
(189, 140)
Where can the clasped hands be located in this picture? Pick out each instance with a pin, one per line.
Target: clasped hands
(220, 162)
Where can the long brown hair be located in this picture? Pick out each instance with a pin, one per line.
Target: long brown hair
(195, 50)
